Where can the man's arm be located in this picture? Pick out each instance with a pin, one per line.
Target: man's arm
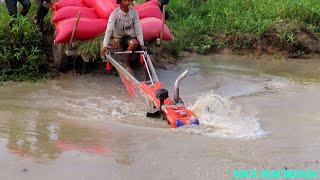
(137, 28)
(110, 26)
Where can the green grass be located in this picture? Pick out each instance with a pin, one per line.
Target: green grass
(195, 22)
(23, 53)
(90, 48)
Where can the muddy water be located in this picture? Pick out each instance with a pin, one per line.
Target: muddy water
(253, 113)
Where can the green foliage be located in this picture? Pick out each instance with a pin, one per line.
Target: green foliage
(193, 21)
(90, 48)
(22, 54)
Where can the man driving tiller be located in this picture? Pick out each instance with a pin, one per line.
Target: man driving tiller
(124, 25)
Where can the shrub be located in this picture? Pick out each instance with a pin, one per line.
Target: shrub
(22, 54)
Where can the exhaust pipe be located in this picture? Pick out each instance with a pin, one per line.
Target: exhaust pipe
(176, 90)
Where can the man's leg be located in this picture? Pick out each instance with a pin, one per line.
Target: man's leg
(132, 44)
(12, 7)
(41, 13)
(26, 6)
(46, 4)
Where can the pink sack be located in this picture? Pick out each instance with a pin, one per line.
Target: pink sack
(87, 29)
(63, 3)
(151, 28)
(103, 7)
(69, 12)
(148, 11)
(114, 2)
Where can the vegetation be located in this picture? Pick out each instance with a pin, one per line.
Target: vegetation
(90, 48)
(209, 25)
(23, 53)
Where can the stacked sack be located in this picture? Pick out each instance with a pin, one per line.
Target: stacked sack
(94, 15)
(151, 21)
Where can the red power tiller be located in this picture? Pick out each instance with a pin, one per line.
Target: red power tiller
(159, 102)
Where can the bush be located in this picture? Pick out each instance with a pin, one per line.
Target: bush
(22, 54)
(90, 48)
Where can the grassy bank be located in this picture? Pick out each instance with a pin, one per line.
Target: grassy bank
(205, 26)
(24, 54)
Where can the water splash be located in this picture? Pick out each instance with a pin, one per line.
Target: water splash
(220, 117)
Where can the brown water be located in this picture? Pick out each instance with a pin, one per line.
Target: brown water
(253, 113)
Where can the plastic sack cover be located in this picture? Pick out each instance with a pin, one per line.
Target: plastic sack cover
(72, 12)
(63, 3)
(87, 29)
(114, 2)
(149, 11)
(151, 28)
(103, 7)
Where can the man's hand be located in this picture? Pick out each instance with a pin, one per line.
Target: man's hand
(144, 48)
(104, 50)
